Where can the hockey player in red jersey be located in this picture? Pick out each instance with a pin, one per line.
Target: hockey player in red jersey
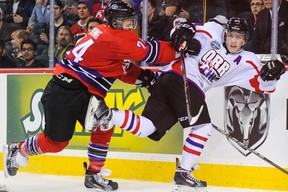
(83, 78)
(220, 62)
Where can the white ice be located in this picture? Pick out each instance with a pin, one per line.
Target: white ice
(27, 182)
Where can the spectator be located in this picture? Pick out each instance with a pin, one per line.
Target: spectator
(29, 50)
(255, 6)
(79, 29)
(16, 14)
(92, 23)
(137, 6)
(158, 26)
(190, 10)
(59, 17)
(5, 59)
(5, 29)
(64, 42)
(261, 42)
(238, 6)
(38, 17)
(30, 4)
(43, 39)
(17, 37)
(98, 9)
(70, 12)
(216, 7)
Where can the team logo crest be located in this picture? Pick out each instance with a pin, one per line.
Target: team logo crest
(246, 117)
(215, 45)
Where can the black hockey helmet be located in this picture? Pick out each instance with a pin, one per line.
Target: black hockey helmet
(238, 25)
(117, 11)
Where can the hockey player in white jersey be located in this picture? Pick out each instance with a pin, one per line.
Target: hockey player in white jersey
(220, 62)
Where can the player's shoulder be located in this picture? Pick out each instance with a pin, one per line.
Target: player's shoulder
(211, 30)
(248, 55)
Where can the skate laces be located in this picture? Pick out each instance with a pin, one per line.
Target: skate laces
(191, 177)
(188, 173)
(98, 177)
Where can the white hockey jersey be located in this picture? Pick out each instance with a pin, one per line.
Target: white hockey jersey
(214, 66)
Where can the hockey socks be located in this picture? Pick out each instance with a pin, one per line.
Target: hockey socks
(138, 125)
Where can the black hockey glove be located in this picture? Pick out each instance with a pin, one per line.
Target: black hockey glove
(272, 70)
(193, 47)
(147, 78)
(181, 33)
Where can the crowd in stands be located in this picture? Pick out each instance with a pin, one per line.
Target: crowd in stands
(24, 24)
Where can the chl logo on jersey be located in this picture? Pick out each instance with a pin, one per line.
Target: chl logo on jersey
(212, 66)
(215, 45)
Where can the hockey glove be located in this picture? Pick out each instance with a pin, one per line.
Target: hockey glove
(181, 36)
(272, 70)
(147, 79)
(193, 47)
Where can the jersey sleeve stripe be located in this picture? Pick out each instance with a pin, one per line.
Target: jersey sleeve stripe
(204, 32)
(153, 52)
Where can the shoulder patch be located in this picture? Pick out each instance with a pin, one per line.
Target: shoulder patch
(215, 45)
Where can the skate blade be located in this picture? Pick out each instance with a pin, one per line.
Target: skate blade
(183, 188)
(5, 155)
(96, 190)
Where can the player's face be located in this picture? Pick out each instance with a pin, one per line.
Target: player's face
(234, 41)
(128, 24)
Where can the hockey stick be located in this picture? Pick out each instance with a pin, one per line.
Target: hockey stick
(191, 119)
(249, 149)
(186, 88)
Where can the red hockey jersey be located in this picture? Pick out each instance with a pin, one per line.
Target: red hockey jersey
(98, 59)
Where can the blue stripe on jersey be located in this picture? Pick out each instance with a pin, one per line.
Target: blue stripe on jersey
(90, 76)
(153, 53)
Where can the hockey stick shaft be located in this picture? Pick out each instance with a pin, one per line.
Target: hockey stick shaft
(251, 150)
(186, 88)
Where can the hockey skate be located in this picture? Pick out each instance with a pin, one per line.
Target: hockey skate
(96, 182)
(185, 180)
(12, 159)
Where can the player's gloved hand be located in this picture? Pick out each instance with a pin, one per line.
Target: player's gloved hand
(272, 70)
(181, 36)
(193, 47)
(147, 79)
